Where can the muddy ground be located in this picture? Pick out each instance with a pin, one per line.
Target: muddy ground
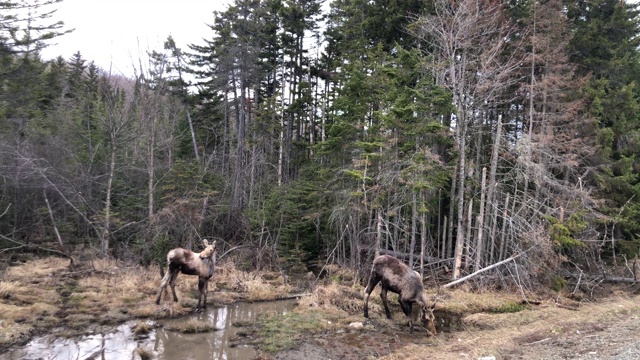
(608, 328)
(47, 296)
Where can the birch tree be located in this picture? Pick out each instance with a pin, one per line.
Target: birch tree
(467, 40)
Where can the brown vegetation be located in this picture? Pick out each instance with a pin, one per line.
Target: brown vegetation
(42, 294)
(471, 323)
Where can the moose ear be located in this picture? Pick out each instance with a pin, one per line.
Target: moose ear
(214, 243)
(206, 242)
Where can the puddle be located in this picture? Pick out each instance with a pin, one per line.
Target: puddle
(165, 344)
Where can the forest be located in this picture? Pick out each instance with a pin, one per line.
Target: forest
(454, 134)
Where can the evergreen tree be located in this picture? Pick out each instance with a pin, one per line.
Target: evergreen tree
(605, 46)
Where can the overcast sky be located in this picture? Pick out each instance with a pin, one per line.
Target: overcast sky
(117, 33)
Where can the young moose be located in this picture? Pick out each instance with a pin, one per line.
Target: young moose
(398, 278)
(190, 263)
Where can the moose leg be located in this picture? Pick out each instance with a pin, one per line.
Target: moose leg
(406, 309)
(202, 290)
(172, 283)
(206, 290)
(373, 281)
(163, 287)
(383, 296)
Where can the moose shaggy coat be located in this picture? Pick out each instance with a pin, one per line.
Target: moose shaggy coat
(395, 276)
(188, 262)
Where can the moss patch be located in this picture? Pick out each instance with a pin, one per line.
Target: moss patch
(281, 332)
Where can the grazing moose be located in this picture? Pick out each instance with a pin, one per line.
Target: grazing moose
(189, 263)
(397, 277)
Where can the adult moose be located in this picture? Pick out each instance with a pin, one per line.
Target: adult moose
(190, 263)
(395, 276)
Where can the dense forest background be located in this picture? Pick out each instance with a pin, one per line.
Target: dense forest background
(455, 134)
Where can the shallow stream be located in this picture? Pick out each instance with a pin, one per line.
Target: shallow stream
(119, 342)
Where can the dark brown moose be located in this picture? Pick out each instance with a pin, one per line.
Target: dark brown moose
(397, 277)
(190, 263)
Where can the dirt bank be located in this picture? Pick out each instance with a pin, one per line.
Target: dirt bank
(606, 328)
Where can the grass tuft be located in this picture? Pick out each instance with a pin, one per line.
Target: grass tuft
(141, 328)
(192, 326)
(142, 354)
(511, 307)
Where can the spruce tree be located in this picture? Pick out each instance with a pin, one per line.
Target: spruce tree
(605, 46)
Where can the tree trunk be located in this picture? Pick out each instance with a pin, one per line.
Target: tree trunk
(468, 238)
(445, 252)
(504, 228)
(186, 108)
(423, 240)
(379, 232)
(414, 223)
(150, 165)
(479, 246)
(492, 208)
(107, 203)
(53, 221)
(452, 208)
(283, 124)
(193, 133)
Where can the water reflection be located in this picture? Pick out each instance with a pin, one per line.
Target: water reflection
(114, 345)
(166, 344)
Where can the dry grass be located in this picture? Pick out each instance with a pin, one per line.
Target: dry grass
(499, 334)
(11, 333)
(44, 293)
(141, 328)
(248, 286)
(192, 326)
(142, 354)
(108, 292)
(337, 296)
(8, 288)
(123, 288)
(29, 303)
(37, 269)
(466, 302)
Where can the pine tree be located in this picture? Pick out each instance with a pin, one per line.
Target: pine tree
(605, 46)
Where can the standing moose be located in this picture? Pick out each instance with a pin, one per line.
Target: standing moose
(397, 277)
(190, 263)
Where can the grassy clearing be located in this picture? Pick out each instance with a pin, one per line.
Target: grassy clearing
(46, 293)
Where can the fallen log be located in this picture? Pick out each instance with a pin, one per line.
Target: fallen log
(465, 278)
(618, 280)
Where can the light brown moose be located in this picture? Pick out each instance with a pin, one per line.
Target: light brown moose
(395, 276)
(184, 261)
